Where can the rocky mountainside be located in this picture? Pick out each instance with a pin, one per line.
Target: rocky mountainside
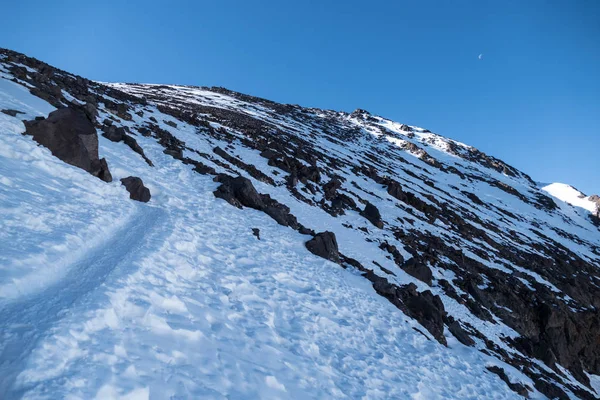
(162, 240)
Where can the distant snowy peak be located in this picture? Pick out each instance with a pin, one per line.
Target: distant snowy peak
(570, 195)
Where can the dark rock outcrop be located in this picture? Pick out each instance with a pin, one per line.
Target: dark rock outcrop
(459, 333)
(137, 190)
(251, 169)
(372, 214)
(133, 144)
(425, 307)
(71, 136)
(550, 390)
(240, 192)
(330, 188)
(515, 387)
(324, 244)
(118, 133)
(417, 268)
(113, 133)
(394, 252)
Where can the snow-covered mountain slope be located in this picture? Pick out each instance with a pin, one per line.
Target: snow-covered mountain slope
(445, 273)
(570, 195)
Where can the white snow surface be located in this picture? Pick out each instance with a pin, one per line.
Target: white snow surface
(102, 297)
(570, 195)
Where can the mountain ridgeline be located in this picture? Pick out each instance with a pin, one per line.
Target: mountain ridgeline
(459, 241)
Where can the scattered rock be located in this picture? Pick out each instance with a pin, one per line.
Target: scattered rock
(395, 190)
(342, 202)
(251, 169)
(394, 252)
(324, 244)
(137, 190)
(268, 154)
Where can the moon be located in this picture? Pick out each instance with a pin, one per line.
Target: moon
(480, 56)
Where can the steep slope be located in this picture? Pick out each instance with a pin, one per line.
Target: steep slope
(460, 277)
(574, 197)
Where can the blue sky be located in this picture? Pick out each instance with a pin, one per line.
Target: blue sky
(533, 100)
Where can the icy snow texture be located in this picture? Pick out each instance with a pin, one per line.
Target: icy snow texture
(570, 195)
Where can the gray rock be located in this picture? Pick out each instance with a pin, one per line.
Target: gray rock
(137, 190)
(372, 214)
(113, 133)
(324, 244)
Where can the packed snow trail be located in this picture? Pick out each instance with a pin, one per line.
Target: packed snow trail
(26, 321)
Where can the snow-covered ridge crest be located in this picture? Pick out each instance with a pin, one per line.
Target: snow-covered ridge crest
(427, 255)
(573, 196)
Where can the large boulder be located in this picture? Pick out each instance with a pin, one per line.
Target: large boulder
(240, 192)
(113, 133)
(372, 214)
(324, 244)
(137, 190)
(71, 136)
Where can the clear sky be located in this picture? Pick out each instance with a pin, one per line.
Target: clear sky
(533, 100)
